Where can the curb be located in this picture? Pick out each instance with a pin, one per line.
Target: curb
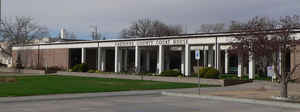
(240, 100)
(75, 96)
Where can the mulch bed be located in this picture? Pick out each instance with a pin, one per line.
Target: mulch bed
(7, 79)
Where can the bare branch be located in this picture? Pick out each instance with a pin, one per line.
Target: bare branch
(20, 31)
(150, 28)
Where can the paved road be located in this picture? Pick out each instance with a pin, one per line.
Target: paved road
(141, 103)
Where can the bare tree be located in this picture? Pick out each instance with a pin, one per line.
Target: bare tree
(268, 40)
(261, 24)
(212, 28)
(285, 41)
(150, 28)
(18, 32)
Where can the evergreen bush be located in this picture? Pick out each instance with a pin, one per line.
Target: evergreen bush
(92, 71)
(171, 73)
(209, 72)
(80, 68)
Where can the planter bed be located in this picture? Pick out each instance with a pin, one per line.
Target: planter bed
(220, 82)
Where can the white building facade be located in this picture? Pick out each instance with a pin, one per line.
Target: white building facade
(153, 54)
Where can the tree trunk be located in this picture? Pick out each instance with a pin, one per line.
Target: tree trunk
(283, 89)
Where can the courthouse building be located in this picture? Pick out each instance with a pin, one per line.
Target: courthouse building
(153, 54)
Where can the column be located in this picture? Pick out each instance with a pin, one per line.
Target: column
(187, 60)
(240, 66)
(251, 67)
(167, 58)
(161, 59)
(226, 62)
(205, 57)
(116, 58)
(99, 59)
(103, 59)
(217, 57)
(137, 64)
(182, 61)
(126, 60)
(83, 55)
(210, 56)
(120, 55)
(148, 60)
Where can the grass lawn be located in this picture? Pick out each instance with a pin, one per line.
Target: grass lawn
(42, 85)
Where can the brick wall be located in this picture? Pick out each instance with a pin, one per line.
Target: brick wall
(41, 58)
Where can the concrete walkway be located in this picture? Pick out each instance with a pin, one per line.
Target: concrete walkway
(258, 92)
(139, 77)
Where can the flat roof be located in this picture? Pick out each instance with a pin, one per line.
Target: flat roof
(186, 36)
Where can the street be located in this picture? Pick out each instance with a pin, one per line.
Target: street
(140, 103)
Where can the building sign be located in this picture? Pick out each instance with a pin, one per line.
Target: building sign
(270, 71)
(197, 54)
(152, 42)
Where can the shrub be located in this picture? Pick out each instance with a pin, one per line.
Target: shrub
(80, 68)
(91, 71)
(212, 73)
(262, 78)
(229, 76)
(83, 68)
(76, 68)
(97, 71)
(245, 77)
(202, 71)
(171, 73)
(209, 72)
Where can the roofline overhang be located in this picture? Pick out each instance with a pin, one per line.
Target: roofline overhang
(182, 36)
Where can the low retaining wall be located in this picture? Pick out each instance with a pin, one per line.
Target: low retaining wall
(235, 82)
(155, 78)
(26, 71)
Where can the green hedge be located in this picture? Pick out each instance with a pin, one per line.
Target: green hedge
(80, 68)
(209, 72)
(92, 71)
(202, 71)
(244, 77)
(171, 73)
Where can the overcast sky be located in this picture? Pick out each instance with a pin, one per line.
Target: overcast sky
(114, 15)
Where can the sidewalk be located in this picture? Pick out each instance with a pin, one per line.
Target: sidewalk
(261, 90)
(258, 92)
(139, 77)
(77, 96)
